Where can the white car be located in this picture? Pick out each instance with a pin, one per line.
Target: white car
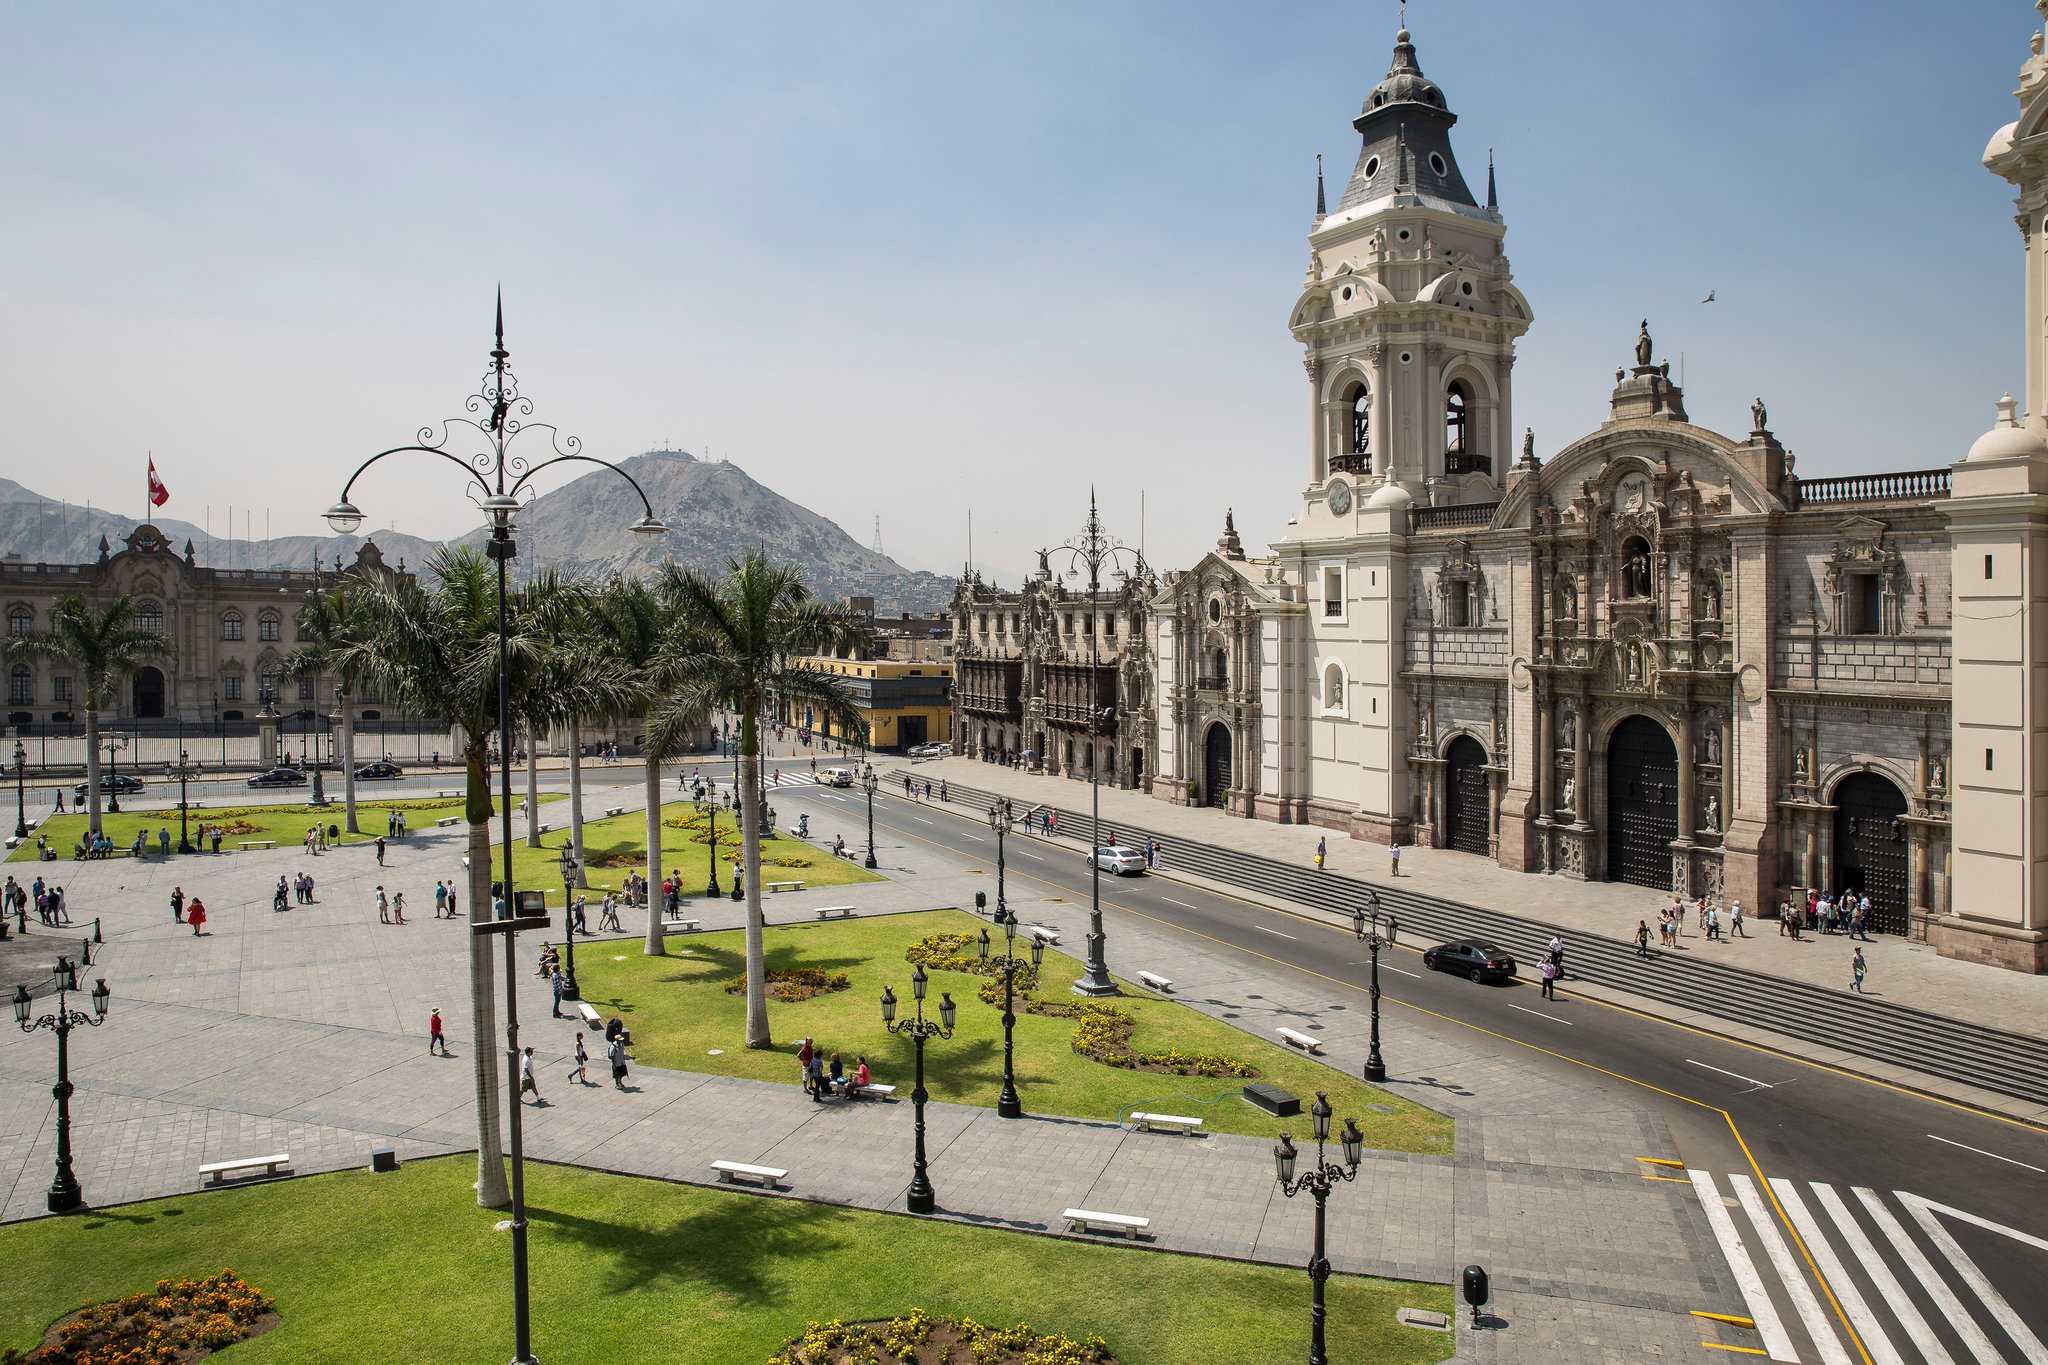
(930, 750)
(835, 777)
(1121, 860)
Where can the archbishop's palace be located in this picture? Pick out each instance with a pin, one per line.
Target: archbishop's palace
(1656, 655)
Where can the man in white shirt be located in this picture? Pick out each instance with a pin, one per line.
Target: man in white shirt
(526, 1077)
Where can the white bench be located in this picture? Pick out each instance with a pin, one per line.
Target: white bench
(544, 828)
(214, 1170)
(259, 843)
(1156, 981)
(785, 886)
(1304, 1041)
(685, 926)
(610, 811)
(770, 1177)
(1087, 1220)
(835, 912)
(590, 1016)
(1179, 1123)
(12, 841)
(447, 820)
(1042, 934)
(875, 1088)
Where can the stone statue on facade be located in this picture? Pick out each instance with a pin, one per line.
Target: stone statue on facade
(1712, 602)
(1044, 564)
(1712, 823)
(1567, 727)
(1567, 598)
(1528, 445)
(1758, 415)
(1712, 745)
(1643, 345)
(1935, 776)
(1799, 764)
(1566, 793)
(1635, 662)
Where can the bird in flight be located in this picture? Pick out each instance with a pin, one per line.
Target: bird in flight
(1709, 298)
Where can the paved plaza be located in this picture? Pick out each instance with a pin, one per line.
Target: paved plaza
(304, 1031)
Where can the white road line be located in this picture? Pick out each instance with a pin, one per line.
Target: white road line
(1264, 930)
(1993, 1155)
(1761, 1310)
(1182, 904)
(1888, 1291)
(920, 819)
(976, 837)
(1958, 1317)
(1385, 968)
(1736, 1074)
(1875, 1343)
(1541, 1015)
(1923, 1214)
(1032, 856)
(1825, 1339)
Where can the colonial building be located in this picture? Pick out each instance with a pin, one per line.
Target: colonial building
(1657, 656)
(901, 703)
(1044, 676)
(226, 633)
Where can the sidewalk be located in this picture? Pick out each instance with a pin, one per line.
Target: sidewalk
(1907, 973)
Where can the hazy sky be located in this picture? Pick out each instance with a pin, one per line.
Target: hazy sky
(917, 259)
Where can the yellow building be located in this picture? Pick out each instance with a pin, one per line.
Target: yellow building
(902, 703)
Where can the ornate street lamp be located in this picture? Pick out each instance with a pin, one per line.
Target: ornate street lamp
(1093, 549)
(1319, 1182)
(709, 810)
(922, 1198)
(869, 780)
(20, 791)
(1376, 929)
(496, 479)
(1008, 1105)
(64, 1192)
(569, 866)
(115, 744)
(184, 770)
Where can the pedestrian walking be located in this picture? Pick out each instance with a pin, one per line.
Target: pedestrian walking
(1322, 851)
(440, 899)
(1393, 859)
(1557, 952)
(815, 1076)
(279, 896)
(617, 1053)
(1858, 967)
(609, 917)
(582, 1059)
(177, 903)
(216, 838)
(391, 824)
(1784, 917)
(60, 800)
(1713, 923)
(398, 907)
(163, 842)
(558, 983)
(195, 915)
(942, 792)
(804, 1054)
(383, 907)
(451, 900)
(380, 850)
(435, 1038)
(1735, 920)
(527, 1080)
(401, 824)
(1642, 938)
(1549, 978)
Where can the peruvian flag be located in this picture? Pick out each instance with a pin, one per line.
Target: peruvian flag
(158, 494)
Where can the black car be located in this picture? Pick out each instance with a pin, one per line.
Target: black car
(379, 772)
(112, 782)
(279, 777)
(1473, 957)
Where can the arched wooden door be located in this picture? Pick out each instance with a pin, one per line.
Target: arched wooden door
(1870, 848)
(1642, 803)
(149, 694)
(1216, 765)
(1465, 813)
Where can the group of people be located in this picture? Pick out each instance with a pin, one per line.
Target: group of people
(192, 912)
(316, 840)
(390, 908)
(824, 1079)
(48, 900)
(1849, 914)
(300, 889)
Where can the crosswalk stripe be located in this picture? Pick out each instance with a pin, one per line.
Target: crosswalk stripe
(1875, 1343)
(1888, 1289)
(1923, 1214)
(1761, 1310)
(1818, 1327)
(1959, 1319)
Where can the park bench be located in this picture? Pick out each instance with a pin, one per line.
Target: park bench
(1042, 934)
(610, 811)
(1088, 1220)
(835, 912)
(1179, 1123)
(447, 820)
(685, 926)
(875, 1088)
(729, 1172)
(258, 843)
(588, 1013)
(1306, 1042)
(785, 886)
(13, 841)
(214, 1170)
(544, 827)
(1156, 981)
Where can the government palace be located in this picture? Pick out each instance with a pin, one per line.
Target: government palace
(1656, 655)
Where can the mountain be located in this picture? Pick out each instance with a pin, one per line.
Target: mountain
(714, 511)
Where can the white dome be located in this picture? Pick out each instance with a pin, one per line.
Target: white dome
(1391, 494)
(2007, 438)
(2001, 142)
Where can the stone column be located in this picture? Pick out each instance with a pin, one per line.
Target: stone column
(1687, 781)
(1582, 764)
(1546, 753)
(1810, 845)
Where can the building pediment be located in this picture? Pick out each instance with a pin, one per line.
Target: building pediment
(1630, 474)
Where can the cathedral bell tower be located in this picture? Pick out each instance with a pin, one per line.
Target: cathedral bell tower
(1408, 315)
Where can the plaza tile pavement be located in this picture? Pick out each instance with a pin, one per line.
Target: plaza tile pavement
(303, 1031)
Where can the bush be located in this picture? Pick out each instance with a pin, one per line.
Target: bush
(183, 1320)
(791, 986)
(918, 1336)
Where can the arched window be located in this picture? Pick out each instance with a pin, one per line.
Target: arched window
(1222, 665)
(267, 626)
(149, 616)
(20, 621)
(1457, 417)
(1333, 687)
(231, 626)
(1635, 568)
(1361, 421)
(20, 688)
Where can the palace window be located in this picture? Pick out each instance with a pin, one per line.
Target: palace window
(20, 621)
(149, 616)
(1109, 626)
(1869, 604)
(267, 627)
(1361, 421)
(20, 687)
(231, 626)
(60, 688)
(306, 689)
(1457, 603)
(231, 687)
(1333, 591)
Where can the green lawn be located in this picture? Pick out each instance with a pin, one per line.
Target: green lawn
(679, 1012)
(286, 824)
(405, 1267)
(624, 837)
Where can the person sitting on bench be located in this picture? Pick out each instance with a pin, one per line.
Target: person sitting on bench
(861, 1078)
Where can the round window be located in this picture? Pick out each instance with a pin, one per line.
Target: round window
(1215, 611)
(1406, 357)
(1436, 163)
(1466, 286)
(1372, 167)
(1347, 291)
(1402, 234)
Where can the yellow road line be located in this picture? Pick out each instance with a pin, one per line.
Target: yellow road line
(1746, 1350)
(1668, 1179)
(1660, 1161)
(1723, 1317)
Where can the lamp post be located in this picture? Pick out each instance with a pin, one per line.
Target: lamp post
(1093, 549)
(709, 809)
(64, 1192)
(922, 1198)
(1319, 1182)
(20, 791)
(569, 865)
(869, 780)
(495, 481)
(1376, 929)
(1008, 1105)
(115, 744)
(184, 770)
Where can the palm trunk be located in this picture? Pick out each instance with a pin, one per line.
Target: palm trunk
(532, 789)
(750, 859)
(491, 1189)
(92, 763)
(576, 798)
(348, 765)
(654, 946)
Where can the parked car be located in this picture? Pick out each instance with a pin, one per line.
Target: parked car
(930, 750)
(835, 777)
(379, 772)
(112, 782)
(1471, 957)
(1121, 860)
(279, 777)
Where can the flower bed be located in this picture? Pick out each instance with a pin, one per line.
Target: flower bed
(792, 986)
(183, 1320)
(918, 1338)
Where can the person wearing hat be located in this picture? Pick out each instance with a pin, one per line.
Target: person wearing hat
(435, 1038)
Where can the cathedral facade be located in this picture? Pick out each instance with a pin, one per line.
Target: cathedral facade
(1655, 656)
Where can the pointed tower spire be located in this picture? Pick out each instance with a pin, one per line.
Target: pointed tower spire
(1492, 199)
(1322, 210)
(501, 317)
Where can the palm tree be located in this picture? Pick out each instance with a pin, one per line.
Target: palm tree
(105, 646)
(631, 627)
(741, 639)
(328, 622)
(437, 652)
